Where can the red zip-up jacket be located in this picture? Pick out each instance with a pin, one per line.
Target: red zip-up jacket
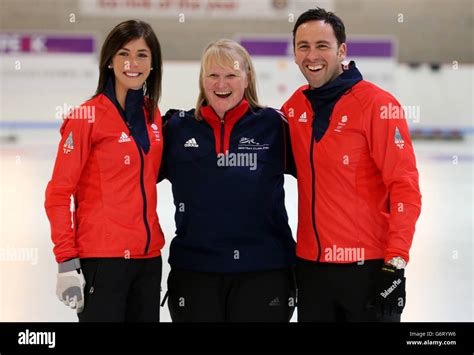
(113, 183)
(358, 192)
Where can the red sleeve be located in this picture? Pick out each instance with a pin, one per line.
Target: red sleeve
(391, 148)
(73, 152)
(284, 110)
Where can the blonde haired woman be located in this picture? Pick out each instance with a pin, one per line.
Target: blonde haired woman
(233, 253)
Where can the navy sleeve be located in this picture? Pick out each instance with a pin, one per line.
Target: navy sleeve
(290, 165)
(162, 173)
(165, 120)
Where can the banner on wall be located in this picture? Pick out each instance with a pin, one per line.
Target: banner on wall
(236, 9)
(35, 43)
(49, 71)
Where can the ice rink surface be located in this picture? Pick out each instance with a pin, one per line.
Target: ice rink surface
(439, 275)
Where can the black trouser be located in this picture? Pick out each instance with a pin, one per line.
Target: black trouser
(329, 292)
(263, 296)
(121, 290)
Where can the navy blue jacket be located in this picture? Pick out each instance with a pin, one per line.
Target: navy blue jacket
(227, 181)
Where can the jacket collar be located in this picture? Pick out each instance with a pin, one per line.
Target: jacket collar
(333, 90)
(133, 102)
(133, 114)
(231, 116)
(222, 128)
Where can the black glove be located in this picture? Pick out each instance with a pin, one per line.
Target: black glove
(390, 291)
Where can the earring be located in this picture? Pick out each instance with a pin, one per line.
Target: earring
(151, 68)
(110, 66)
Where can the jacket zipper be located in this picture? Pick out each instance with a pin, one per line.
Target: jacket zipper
(142, 164)
(313, 192)
(142, 186)
(222, 136)
(222, 130)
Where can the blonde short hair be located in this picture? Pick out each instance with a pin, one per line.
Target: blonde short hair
(222, 52)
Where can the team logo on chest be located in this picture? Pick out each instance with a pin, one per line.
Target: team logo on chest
(124, 138)
(250, 144)
(341, 124)
(156, 132)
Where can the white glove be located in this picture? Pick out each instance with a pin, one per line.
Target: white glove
(70, 284)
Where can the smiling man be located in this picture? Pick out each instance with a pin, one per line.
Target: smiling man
(358, 190)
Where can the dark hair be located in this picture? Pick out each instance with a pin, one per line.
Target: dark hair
(319, 14)
(123, 33)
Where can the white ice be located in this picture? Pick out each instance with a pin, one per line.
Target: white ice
(439, 275)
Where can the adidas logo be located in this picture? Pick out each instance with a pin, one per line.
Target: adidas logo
(124, 138)
(275, 302)
(191, 143)
(303, 117)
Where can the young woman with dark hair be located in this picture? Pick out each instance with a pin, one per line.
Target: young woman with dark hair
(109, 249)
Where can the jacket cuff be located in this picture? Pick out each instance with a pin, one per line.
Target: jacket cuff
(69, 265)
